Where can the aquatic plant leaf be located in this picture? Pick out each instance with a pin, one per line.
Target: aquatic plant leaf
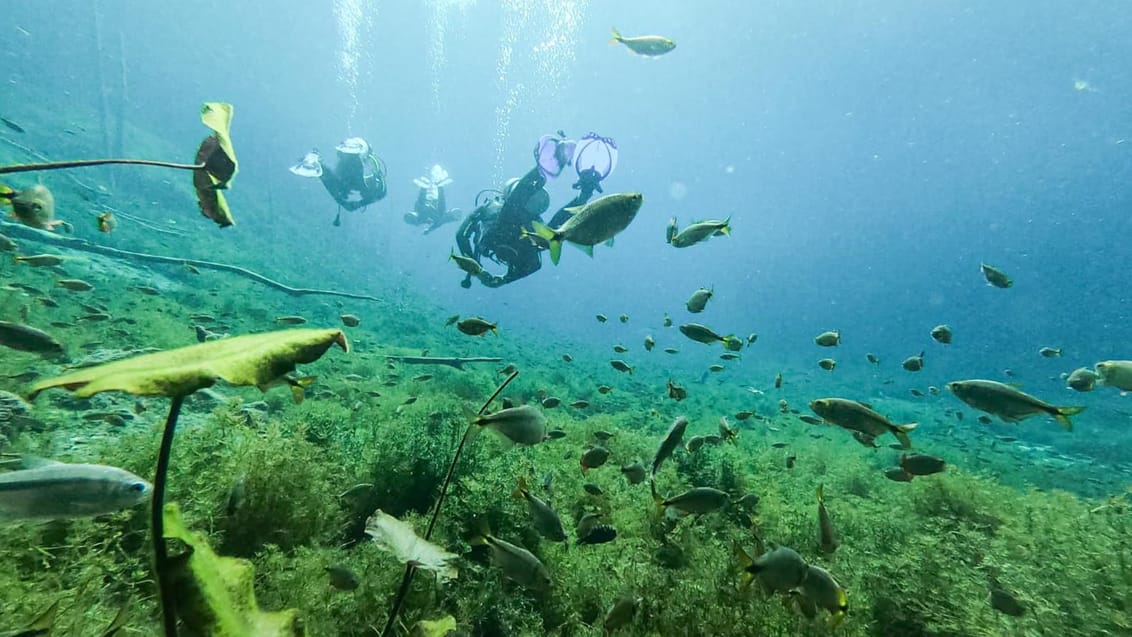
(434, 628)
(215, 595)
(220, 165)
(219, 157)
(252, 359)
(211, 201)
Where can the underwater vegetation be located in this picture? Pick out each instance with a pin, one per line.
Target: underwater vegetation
(298, 490)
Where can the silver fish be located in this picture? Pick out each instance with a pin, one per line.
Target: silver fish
(56, 490)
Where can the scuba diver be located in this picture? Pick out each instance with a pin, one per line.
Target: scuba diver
(431, 207)
(355, 182)
(495, 228)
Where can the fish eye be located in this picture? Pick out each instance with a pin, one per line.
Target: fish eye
(137, 487)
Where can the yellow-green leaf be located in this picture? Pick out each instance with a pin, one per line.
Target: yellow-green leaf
(215, 595)
(218, 117)
(253, 359)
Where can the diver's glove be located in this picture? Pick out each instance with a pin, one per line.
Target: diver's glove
(589, 180)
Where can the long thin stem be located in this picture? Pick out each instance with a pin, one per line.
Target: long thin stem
(81, 163)
(157, 519)
(407, 580)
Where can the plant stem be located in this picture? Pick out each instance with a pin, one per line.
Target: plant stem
(407, 580)
(157, 519)
(24, 168)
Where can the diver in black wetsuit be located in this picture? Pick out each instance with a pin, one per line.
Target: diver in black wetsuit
(495, 228)
(356, 181)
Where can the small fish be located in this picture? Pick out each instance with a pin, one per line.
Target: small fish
(671, 441)
(41, 625)
(7, 244)
(1082, 379)
(621, 366)
(516, 563)
(190, 268)
(1050, 352)
(422, 378)
(620, 349)
(872, 358)
(555, 434)
(984, 419)
(593, 458)
(783, 406)
(827, 364)
(350, 320)
(546, 520)
(810, 420)
(604, 389)
(290, 320)
(827, 538)
(820, 590)
(913, 363)
(942, 334)
(624, 318)
(676, 392)
(729, 356)
(107, 222)
(698, 301)
(476, 326)
(917, 393)
(75, 285)
(451, 320)
(1008, 403)
(601, 318)
(467, 264)
(54, 490)
(727, 432)
(897, 474)
(716, 368)
(47, 301)
(995, 277)
(1004, 602)
(696, 501)
(828, 339)
(933, 390)
(751, 338)
(25, 338)
(507, 370)
(580, 404)
(41, 260)
(592, 489)
(701, 231)
(649, 343)
(12, 125)
(667, 321)
(646, 45)
(568, 358)
(856, 416)
(694, 444)
(149, 290)
(635, 473)
(780, 570)
(600, 534)
(671, 350)
(342, 578)
(550, 402)
(236, 495)
(1116, 374)
(743, 415)
(621, 614)
(524, 425)
(918, 464)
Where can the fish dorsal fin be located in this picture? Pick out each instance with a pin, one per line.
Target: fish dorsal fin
(865, 405)
(29, 461)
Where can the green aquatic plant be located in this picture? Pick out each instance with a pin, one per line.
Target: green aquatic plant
(259, 360)
(215, 595)
(407, 580)
(213, 171)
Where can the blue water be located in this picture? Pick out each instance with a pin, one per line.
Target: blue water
(870, 156)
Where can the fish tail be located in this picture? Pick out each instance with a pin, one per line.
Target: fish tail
(482, 534)
(616, 37)
(746, 565)
(521, 489)
(659, 501)
(726, 228)
(551, 237)
(821, 494)
(1062, 414)
(901, 433)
